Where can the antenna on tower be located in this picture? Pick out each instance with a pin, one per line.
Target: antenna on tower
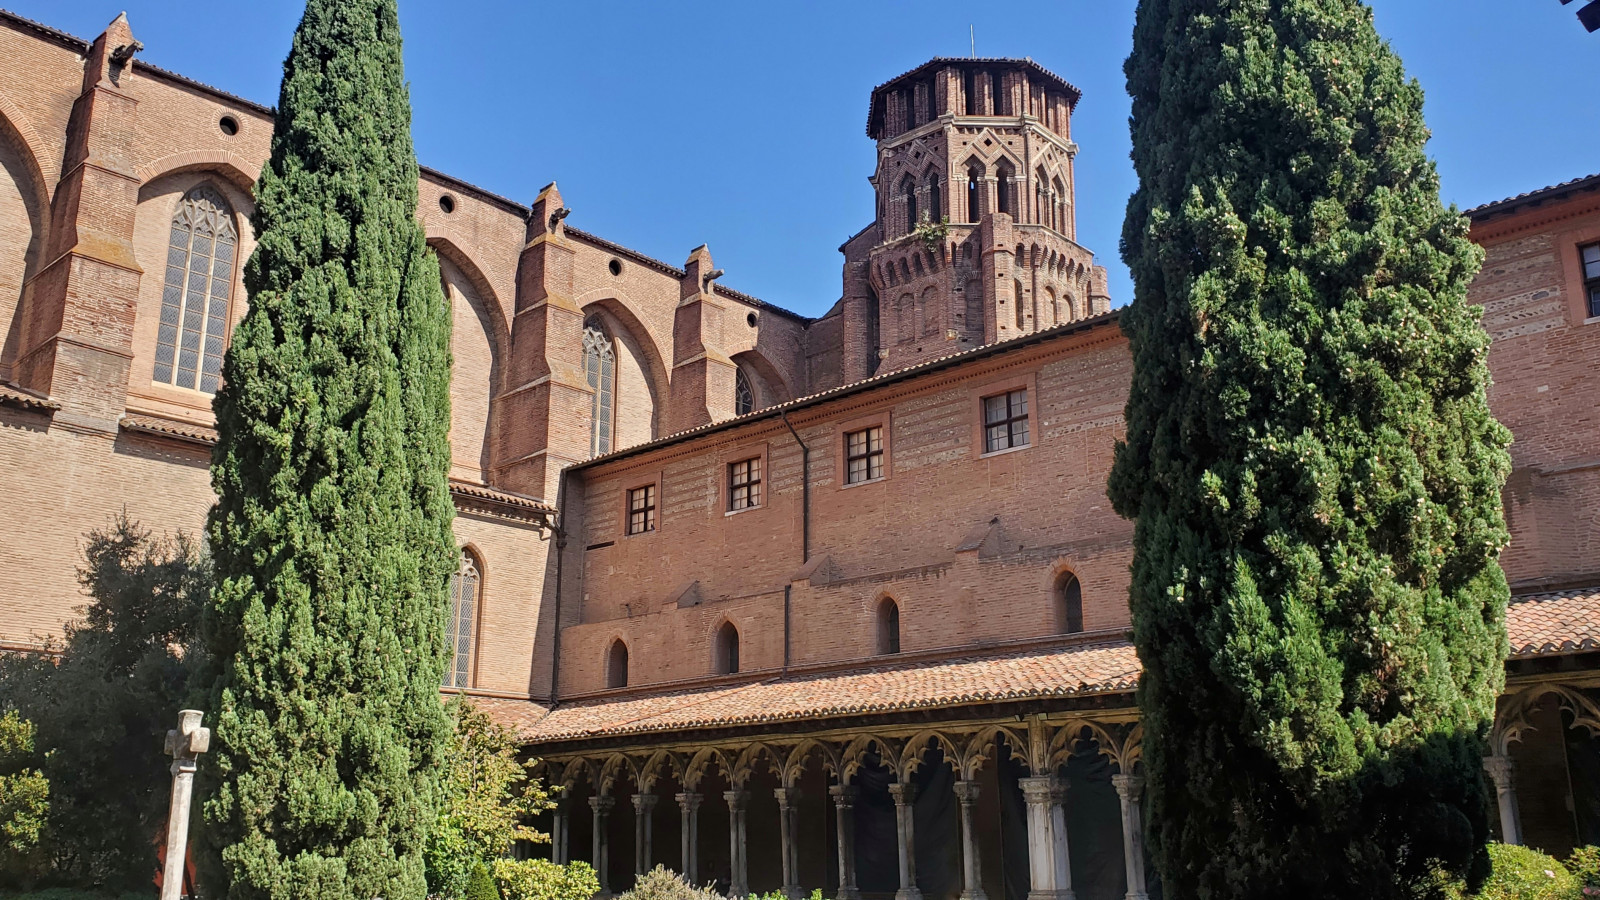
(972, 36)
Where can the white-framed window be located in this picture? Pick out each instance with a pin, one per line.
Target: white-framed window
(202, 249)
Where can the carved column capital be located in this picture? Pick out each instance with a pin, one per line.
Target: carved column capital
(602, 805)
(644, 803)
(736, 799)
(1129, 787)
(967, 792)
(903, 794)
(844, 795)
(1501, 770)
(688, 801)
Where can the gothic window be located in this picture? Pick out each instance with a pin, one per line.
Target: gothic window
(744, 397)
(1042, 202)
(617, 664)
(1069, 604)
(888, 626)
(600, 367)
(935, 198)
(1059, 191)
(906, 316)
(974, 191)
(1003, 189)
(726, 653)
(908, 187)
(463, 621)
(195, 295)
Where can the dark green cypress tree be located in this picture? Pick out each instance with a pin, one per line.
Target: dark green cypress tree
(331, 533)
(1310, 460)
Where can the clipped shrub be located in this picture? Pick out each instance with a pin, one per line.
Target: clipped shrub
(1517, 873)
(540, 879)
(1584, 864)
(661, 883)
(480, 884)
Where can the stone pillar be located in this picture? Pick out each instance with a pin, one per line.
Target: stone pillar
(739, 885)
(559, 830)
(844, 808)
(1129, 789)
(184, 744)
(1050, 877)
(1503, 771)
(601, 860)
(904, 795)
(689, 808)
(971, 872)
(789, 838)
(644, 805)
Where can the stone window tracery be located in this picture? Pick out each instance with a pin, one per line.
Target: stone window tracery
(744, 396)
(201, 251)
(464, 599)
(600, 368)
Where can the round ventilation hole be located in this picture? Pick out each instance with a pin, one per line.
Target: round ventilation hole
(615, 266)
(447, 203)
(750, 320)
(229, 125)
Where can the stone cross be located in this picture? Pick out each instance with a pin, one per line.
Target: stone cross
(184, 744)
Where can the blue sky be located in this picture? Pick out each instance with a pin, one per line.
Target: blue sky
(741, 124)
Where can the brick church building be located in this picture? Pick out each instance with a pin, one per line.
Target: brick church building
(780, 601)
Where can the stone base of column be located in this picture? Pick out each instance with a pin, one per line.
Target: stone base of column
(909, 893)
(1136, 895)
(976, 894)
(1052, 895)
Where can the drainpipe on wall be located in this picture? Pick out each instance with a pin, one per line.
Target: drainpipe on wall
(805, 529)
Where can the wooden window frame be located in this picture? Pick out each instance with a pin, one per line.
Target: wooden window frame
(624, 516)
(1590, 292)
(753, 478)
(742, 454)
(1027, 381)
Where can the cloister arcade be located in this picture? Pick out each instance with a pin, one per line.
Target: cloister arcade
(1036, 806)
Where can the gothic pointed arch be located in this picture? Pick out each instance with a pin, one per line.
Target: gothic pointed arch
(600, 371)
(466, 600)
(767, 384)
(24, 222)
(1068, 602)
(617, 664)
(744, 393)
(725, 649)
(640, 372)
(477, 352)
(197, 291)
(888, 625)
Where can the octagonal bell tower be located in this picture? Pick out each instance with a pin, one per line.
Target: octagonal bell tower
(975, 235)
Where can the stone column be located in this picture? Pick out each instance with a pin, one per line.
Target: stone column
(739, 885)
(1503, 771)
(904, 795)
(184, 744)
(1049, 875)
(689, 807)
(844, 809)
(971, 872)
(789, 837)
(601, 860)
(644, 805)
(559, 825)
(1129, 789)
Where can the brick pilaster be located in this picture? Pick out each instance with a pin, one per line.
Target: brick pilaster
(702, 373)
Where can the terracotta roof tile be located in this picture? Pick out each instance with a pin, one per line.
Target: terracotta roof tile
(197, 434)
(1068, 671)
(16, 396)
(1554, 191)
(1561, 622)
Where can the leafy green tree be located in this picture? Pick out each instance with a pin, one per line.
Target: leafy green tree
(486, 801)
(1310, 460)
(101, 704)
(24, 792)
(331, 531)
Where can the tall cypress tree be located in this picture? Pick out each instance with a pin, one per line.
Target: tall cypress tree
(1310, 460)
(331, 533)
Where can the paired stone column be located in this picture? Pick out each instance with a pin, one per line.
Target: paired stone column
(904, 795)
(739, 885)
(971, 872)
(559, 829)
(644, 805)
(1129, 789)
(1503, 771)
(601, 859)
(789, 837)
(184, 744)
(689, 808)
(1049, 873)
(844, 809)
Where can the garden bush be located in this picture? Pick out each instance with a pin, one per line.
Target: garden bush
(540, 879)
(661, 883)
